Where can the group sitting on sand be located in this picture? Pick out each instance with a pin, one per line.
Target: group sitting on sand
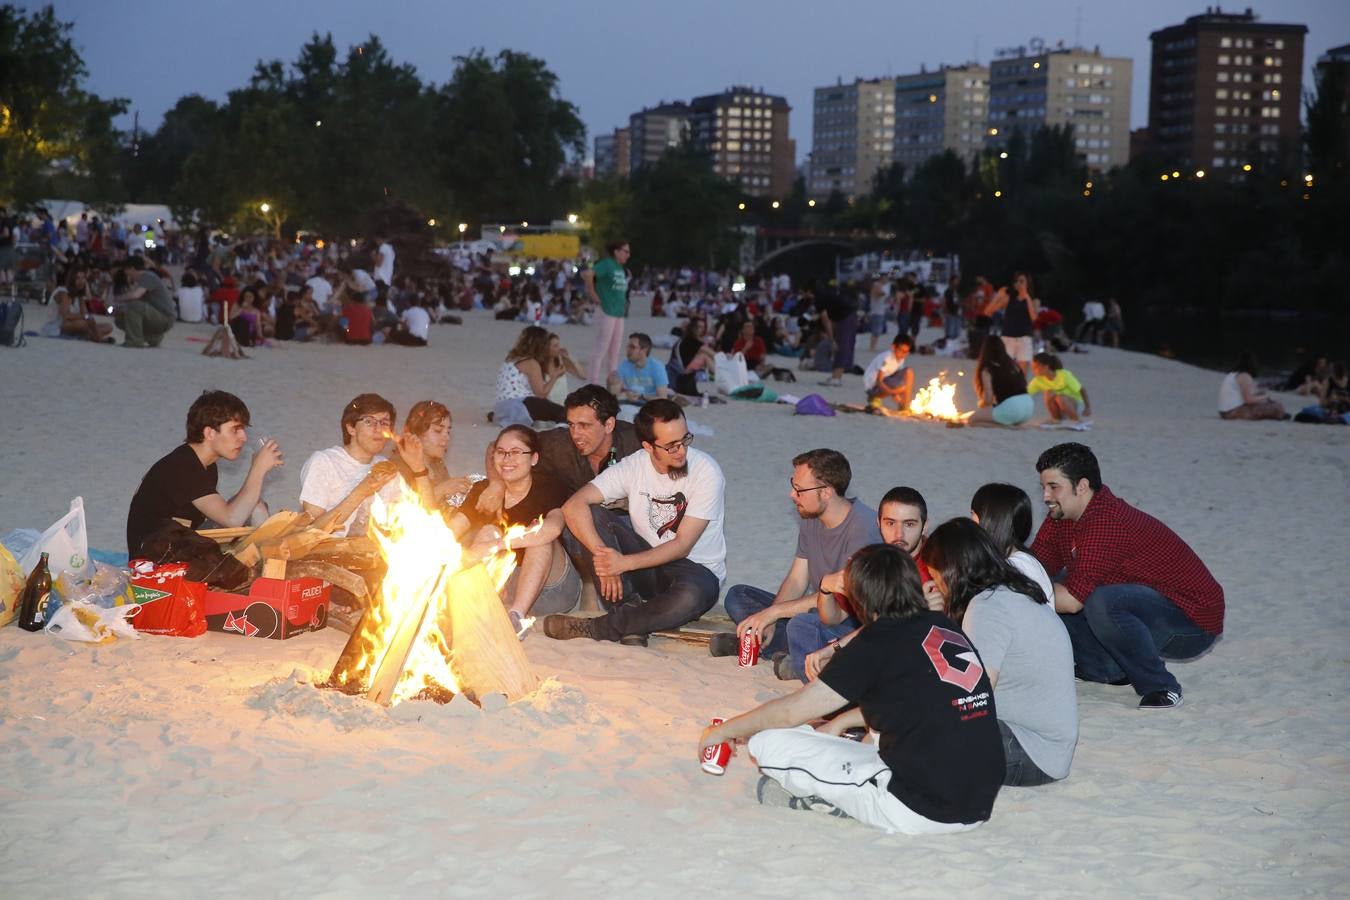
(955, 650)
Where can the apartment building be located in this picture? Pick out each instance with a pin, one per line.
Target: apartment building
(938, 111)
(745, 131)
(1068, 86)
(1225, 91)
(655, 130)
(852, 136)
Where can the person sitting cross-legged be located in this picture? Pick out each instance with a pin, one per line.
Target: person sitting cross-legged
(665, 568)
(914, 679)
(830, 528)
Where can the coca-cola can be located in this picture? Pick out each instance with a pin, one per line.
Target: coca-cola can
(749, 650)
(715, 757)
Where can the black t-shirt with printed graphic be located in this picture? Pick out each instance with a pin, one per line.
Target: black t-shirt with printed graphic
(922, 688)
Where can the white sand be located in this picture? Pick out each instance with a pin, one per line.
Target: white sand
(173, 767)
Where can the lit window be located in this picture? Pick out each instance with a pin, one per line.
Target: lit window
(1224, 59)
(1225, 42)
(1279, 43)
(1221, 94)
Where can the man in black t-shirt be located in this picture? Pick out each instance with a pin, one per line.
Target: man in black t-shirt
(912, 677)
(181, 486)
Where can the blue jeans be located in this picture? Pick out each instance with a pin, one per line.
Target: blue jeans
(654, 599)
(743, 601)
(806, 634)
(1126, 631)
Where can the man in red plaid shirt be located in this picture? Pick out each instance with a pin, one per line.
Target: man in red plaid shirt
(1130, 592)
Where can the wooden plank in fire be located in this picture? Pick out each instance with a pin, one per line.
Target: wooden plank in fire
(387, 673)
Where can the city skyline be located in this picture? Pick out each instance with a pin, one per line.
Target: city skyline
(613, 61)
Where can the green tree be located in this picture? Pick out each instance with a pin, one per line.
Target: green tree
(504, 133)
(52, 131)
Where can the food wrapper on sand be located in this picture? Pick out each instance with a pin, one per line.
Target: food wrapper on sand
(93, 624)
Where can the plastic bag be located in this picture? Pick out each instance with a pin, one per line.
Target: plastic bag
(66, 543)
(106, 587)
(11, 585)
(730, 372)
(93, 624)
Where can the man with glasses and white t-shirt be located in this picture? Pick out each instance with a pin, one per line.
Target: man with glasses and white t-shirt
(329, 476)
(666, 568)
(832, 528)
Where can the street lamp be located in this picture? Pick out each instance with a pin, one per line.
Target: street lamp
(1003, 155)
(431, 223)
(524, 224)
(571, 218)
(740, 206)
(775, 204)
(264, 208)
(811, 203)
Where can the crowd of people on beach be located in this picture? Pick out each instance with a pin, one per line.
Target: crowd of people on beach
(956, 646)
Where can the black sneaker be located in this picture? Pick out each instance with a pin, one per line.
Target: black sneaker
(1161, 700)
(724, 643)
(634, 640)
(565, 628)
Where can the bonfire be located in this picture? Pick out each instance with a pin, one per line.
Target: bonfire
(436, 627)
(938, 401)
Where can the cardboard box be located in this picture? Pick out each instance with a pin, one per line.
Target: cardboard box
(273, 608)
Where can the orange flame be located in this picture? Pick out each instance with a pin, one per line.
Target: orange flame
(938, 400)
(422, 554)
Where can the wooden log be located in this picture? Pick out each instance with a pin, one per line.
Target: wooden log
(486, 655)
(389, 670)
(292, 546)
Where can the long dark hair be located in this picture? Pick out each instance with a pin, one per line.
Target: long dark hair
(883, 583)
(970, 564)
(1004, 511)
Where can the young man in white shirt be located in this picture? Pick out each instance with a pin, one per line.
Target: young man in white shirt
(330, 475)
(384, 261)
(414, 327)
(666, 568)
(888, 377)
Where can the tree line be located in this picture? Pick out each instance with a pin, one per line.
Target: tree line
(322, 141)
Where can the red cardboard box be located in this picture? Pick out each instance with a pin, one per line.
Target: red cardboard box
(273, 608)
(170, 604)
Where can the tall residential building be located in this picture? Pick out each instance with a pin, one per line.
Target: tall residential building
(612, 154)
(1225, 91)
(852, 136)
(1075, 87)
(655, 130)
(941, 110)
(746, 133)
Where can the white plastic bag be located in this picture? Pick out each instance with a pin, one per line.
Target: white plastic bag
(94, 624)
(66, 544)
(731, 372)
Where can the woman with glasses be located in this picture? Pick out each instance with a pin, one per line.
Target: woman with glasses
(544, 581)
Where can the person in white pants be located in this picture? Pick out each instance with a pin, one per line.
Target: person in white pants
(918, 685)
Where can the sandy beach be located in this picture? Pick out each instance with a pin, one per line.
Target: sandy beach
(170, 767)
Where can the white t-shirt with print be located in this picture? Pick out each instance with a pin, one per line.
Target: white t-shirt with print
(657, 503)
(329, 475)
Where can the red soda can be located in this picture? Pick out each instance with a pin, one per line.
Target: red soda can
(715, 757)
(749, 650)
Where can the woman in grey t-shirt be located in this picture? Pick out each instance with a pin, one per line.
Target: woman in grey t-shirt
(1022, 644)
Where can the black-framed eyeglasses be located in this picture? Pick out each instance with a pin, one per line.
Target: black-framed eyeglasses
(799, 491)
(676, 445)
